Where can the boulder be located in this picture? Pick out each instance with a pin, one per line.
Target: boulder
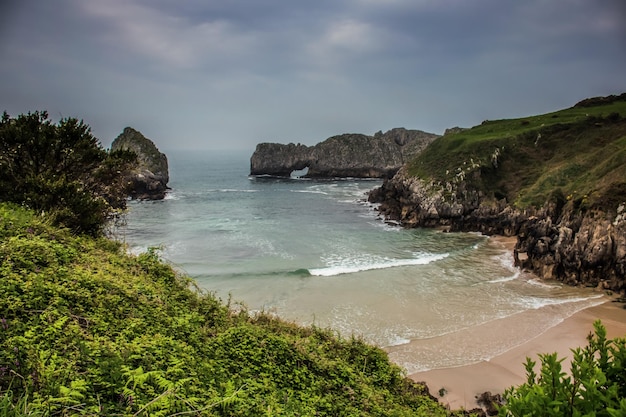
(148, 181)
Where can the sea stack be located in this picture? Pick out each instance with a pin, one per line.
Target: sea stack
(148, 181)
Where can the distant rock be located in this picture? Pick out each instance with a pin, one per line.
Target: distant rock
(347, 155)
(149, 179)
(454, 130)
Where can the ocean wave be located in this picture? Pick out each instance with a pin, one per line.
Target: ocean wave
(505, 259)
(309, 192)
(535, 303)
(398, 341)
(349, 266)
(507, 278)
(538, 283)
(231, 190)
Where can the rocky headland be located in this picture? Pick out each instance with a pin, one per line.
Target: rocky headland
(342, 156)
(556, 181)
(148, 181)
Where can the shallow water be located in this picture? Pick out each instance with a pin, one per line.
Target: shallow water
(315, 252)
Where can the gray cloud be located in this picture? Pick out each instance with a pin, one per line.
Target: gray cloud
(209, 74)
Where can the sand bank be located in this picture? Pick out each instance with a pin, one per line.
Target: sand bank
(463, 384)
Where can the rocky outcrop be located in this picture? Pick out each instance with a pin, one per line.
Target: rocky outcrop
(348, 155)
(148, 181)
(578, 248)
(411, 202)
(558, 241)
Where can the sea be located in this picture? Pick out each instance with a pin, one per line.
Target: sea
(315, 252)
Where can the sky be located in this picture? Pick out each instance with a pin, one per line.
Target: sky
(228, 74)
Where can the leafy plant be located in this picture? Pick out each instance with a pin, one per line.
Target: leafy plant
(595, 386)
(61, 170)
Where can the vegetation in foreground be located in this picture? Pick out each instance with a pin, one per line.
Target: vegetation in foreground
(576, 154)
(61, 171)
(87, 329)
(595, 385)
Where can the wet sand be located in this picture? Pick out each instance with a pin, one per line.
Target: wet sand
(462, 384)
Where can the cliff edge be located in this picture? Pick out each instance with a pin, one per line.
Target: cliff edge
(150, 177)
(347, 155)
(556, 181)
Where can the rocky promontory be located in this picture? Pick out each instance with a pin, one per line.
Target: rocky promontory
(148, 181)
(347, 155)
(556, 181)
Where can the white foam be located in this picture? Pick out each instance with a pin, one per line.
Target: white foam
(398, 341)
(309, 192)
(535, 303)
(349, 266)
(506, 260)
(506, 278)
(231, 190)
(537, 282)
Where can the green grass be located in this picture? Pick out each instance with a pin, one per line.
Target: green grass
(579, 152)
(86, 329)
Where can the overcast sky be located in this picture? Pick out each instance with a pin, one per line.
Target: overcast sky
(220, 74)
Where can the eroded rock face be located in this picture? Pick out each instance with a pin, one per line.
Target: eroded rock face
(578, 248)
(348, 155)
(563, 243)
(149, 179)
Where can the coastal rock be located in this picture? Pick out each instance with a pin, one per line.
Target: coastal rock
(347, 155)
(558, 185)
(564, 243)
(580, 249)
(148, 181)
(490, 403)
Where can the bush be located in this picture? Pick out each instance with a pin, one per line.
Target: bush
(61, 170)
(86, 329)
(596, 385)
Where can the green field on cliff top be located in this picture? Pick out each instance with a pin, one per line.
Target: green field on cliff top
(577, 153)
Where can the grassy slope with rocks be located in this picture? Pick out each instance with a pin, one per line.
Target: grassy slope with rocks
(578, 153)
(87, 329)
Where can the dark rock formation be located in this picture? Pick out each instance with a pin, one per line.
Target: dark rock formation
(490, 402)
(149, 179)
(557, 241)
(348, 155)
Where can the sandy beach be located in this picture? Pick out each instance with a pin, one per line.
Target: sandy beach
(463, 384)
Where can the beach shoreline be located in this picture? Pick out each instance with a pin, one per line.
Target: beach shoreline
(458, 387)
(461, 385)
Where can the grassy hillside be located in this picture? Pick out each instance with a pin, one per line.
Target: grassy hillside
(577, 153)
(86, 329)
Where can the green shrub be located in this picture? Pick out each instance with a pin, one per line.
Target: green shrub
(61, 170)
(595, 386)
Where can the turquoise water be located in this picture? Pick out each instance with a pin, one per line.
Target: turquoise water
(317, 252)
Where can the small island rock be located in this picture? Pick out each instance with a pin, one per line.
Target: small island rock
(150, 177)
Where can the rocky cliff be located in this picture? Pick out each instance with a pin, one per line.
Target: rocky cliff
(150, 177)
(557, 182)
(348, 155)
